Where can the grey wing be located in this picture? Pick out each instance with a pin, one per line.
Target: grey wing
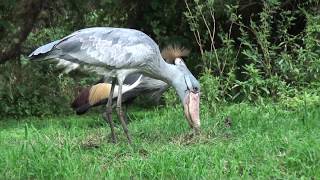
(108, 47)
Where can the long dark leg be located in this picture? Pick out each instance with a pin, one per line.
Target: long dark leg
(108, 114)
(125, 112)
(120, 112)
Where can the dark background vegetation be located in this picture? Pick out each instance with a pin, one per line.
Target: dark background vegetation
(242, 50)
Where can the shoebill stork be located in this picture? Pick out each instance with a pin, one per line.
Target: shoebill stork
(116, 53)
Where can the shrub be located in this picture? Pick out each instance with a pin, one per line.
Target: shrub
(259, 57)
(33, 89)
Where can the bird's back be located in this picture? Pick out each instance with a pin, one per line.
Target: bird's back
(113, 48)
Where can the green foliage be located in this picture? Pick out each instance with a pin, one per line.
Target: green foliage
(272, 65)
(266, 59)
(263, 142)
(209, 89)
(35, 90)
(301, 100)
(171, 98)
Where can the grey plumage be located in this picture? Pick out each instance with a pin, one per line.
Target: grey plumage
(116, 53)
(113, 48)
(44, 49)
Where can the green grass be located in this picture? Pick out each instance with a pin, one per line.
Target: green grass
(262, 142)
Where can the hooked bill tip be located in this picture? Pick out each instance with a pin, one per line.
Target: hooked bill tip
(191, 108)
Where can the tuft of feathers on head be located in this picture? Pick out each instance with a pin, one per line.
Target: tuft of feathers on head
(171, 52)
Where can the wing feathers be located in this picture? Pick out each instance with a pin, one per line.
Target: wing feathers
(126, 88)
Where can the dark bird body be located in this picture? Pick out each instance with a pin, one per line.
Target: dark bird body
(149, 86)
(116, 53)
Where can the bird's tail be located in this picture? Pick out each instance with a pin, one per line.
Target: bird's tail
(97, 95)
(43, 52)
(49, 52)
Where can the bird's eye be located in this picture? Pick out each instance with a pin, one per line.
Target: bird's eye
(195, 89)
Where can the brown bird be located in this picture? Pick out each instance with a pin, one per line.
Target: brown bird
(134, 85)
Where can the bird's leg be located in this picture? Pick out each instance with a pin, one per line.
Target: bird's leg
(125, 112)
(120, 112)
(108, 114)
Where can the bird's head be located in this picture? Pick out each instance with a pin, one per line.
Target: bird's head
(188, 89)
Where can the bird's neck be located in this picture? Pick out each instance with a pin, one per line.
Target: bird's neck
(167, 72)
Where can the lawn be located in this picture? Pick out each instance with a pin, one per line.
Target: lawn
(266, 142)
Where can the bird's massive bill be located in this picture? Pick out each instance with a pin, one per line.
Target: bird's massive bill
(191, 109)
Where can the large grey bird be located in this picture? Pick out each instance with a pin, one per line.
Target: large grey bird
(118, 52)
